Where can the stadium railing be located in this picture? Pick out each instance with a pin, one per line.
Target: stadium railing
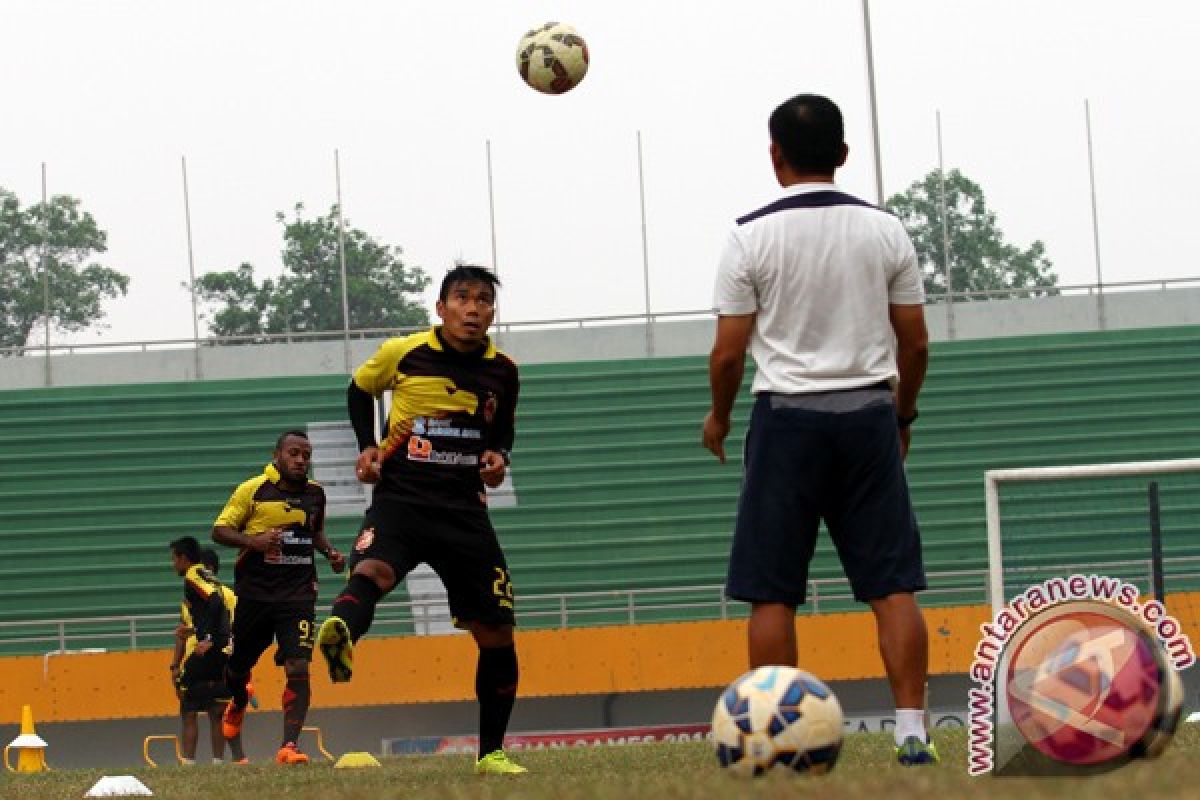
(535, 612)
(1086, 289)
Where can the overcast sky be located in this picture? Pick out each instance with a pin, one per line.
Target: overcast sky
(257, 95)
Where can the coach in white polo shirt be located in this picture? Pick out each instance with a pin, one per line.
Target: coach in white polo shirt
(826, 292)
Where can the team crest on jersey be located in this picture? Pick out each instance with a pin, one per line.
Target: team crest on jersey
(489, 407)
(364, 539)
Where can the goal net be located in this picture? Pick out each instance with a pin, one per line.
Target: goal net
(1138, 521)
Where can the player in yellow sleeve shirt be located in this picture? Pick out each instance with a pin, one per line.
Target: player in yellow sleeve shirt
(277, 522)
(203, 643)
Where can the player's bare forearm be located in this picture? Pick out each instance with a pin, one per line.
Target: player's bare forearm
(321, 544)
(232, 537)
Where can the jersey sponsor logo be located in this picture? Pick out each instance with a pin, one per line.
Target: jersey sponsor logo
(290, 561)
(445, 428)
(364, 540)
(421, 449)
(289, 538)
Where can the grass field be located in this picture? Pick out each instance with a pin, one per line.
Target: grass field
(637, 772)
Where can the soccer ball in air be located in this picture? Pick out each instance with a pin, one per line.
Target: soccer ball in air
(552, 58)
(777, 717)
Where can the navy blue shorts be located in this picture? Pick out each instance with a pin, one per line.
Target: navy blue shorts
(844, 467)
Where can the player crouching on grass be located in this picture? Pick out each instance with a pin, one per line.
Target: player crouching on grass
(454, 398)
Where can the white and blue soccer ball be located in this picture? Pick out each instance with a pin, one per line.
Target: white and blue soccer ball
(777, 717)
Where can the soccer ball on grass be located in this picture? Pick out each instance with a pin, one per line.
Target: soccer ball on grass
(777, 717)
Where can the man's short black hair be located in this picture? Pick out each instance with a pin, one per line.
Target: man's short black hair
(188, 547)
(466, 272)
(210, 560)
(285, 434)
(808, 129)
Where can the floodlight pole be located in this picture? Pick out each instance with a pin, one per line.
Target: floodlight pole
(46, 270)
(645, 251)
(1100, 310)
(337, 174)
(187, 222)
(492, 221)
(945, 234)
(866, 11)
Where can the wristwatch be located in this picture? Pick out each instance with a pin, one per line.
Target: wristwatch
(904, 422)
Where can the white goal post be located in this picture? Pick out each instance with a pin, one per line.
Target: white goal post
(994, 477)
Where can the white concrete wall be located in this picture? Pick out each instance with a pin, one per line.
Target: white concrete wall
(996, 318)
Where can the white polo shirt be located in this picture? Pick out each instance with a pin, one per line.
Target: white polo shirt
(819, 268)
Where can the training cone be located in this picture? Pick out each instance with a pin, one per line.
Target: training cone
(119, 786)
(31, 748)
(354, 760)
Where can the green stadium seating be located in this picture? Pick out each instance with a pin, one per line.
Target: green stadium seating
(614, 492)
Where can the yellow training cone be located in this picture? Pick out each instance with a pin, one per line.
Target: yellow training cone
(31, 748)
(350, 760)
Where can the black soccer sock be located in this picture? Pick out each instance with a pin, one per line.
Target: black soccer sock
(296, 697)
(356, 604)
(237, 687)
(496, 688)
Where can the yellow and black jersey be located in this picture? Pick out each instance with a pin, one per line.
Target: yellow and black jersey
(447, 408)
(207, 609)
(260, 504)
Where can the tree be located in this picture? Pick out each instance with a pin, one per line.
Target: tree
(66, 238)
(981, 260)
(307, 297)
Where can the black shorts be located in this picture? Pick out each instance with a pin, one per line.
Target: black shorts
(201, 681)
(802, 466)
(258, 623)
(459, 544)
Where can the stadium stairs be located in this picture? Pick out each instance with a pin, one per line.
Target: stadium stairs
(610, 489)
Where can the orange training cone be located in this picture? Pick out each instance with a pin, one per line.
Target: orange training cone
(31, 748)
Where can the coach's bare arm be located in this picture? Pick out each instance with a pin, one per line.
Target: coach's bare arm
(726, 364)
(912, 359)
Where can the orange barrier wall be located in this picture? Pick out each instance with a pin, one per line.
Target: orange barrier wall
(418, 669)
(424, 669)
